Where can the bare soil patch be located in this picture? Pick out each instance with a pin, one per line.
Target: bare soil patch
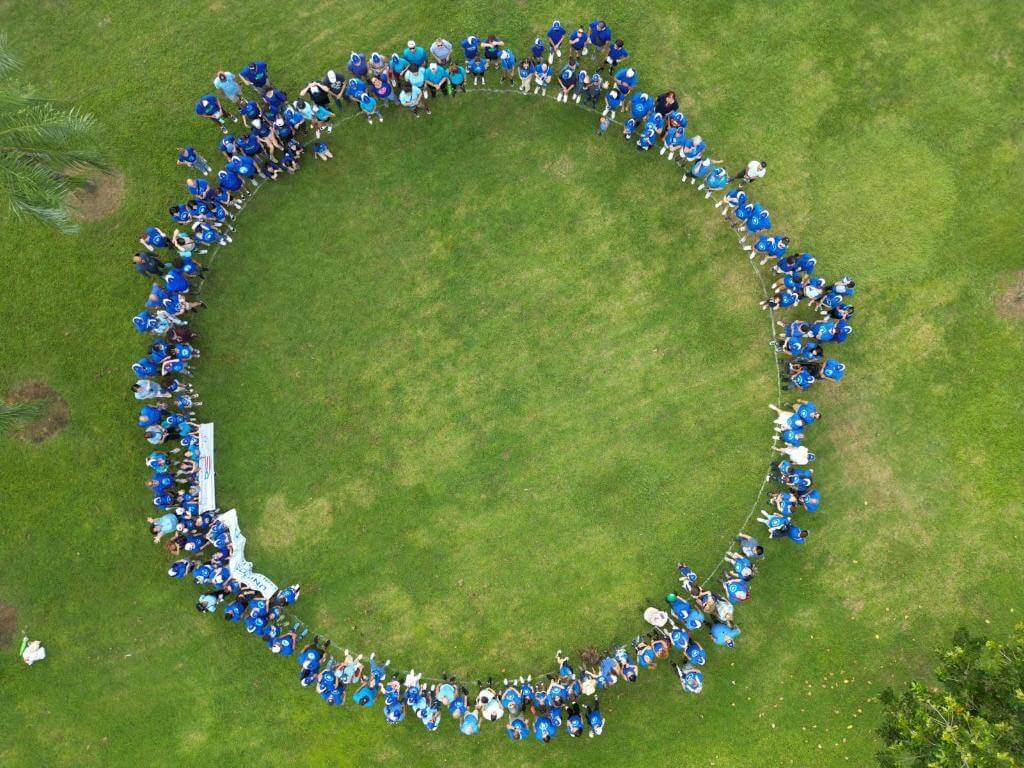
(1010, 301)
(99, 198)
(53, 415)
(8, 624)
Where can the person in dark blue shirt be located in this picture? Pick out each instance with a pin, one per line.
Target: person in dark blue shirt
(255, 74)
(600, 37)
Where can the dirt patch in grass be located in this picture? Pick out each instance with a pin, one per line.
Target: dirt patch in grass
(8, 624)
(1010, 300)
(53, 415)
(101, 196)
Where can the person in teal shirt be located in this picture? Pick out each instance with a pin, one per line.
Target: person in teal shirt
(415, 54)
(456, 79)
(436, 78)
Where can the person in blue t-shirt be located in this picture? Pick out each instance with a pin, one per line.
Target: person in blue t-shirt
(470, 47)
(255, 74)
(188, 156)
(478, 67)
(544, 728)
(538, 48)
(617, 54)
(613, 102)
(492, 47)
(595, 720)
(541, 78)
(210, 108)
(577, 44)
(600, 37)
(357, 64)
(507, 63)
(555, 36)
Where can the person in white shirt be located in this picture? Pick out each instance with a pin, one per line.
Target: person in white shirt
(32, 651)
(756, 169)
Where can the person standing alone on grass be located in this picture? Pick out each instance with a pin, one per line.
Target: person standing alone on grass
(755, 170)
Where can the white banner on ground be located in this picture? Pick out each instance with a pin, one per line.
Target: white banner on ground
(207, 489)
(240, 568)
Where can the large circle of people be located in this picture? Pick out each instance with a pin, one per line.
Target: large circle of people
(264, 134)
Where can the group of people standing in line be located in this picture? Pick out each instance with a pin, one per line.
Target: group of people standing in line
(273, 134)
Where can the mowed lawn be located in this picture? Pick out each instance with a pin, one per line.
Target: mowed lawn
(482, 379)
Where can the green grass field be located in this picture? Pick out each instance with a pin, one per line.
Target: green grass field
(481, 380)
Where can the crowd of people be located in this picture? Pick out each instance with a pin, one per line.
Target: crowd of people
(265, 134)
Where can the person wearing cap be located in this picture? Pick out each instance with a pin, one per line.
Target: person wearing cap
(378, 65)
(566, 82)
(435, 78)
(600, 37)
(555, 36)
(541, 78)
(228, 86)
(626, 80)
(507, 60)
(357, 64)
(441, 50)
(470, 47)
(210, 108)
(414, 54)
(335, 85)
(613, 101)
(538, 48)
(255, 75)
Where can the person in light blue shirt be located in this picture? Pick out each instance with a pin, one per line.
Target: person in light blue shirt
(226, 83)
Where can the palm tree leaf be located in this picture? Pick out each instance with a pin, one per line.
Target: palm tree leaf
(8, 61)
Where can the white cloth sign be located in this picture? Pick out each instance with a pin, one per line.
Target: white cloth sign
(240, 568)
(207, 489)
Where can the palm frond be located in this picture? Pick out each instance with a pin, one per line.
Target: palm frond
(32, 189)
(8, 61)
(11, 415)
